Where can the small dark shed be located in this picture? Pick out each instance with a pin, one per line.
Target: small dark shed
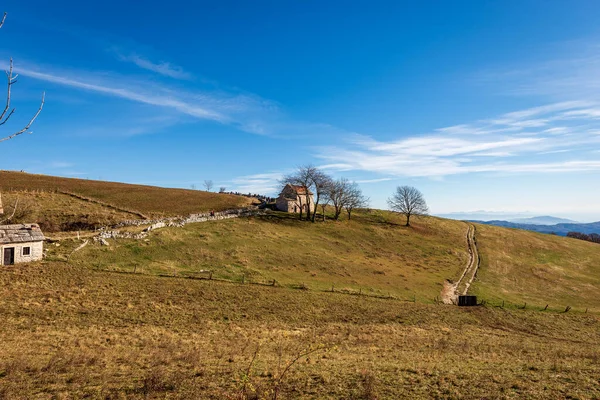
(466, 301)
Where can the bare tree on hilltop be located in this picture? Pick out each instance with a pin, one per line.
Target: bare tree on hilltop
(7, 112)
(346, 195)
(303, 178)
(408, 201)
(354, 198)
(208, 185)
(320, 182)
(341, 194)
(338, 191)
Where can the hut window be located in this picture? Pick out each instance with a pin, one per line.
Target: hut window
(26, 251)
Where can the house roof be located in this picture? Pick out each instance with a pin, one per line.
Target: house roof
(20, 233)
(299, 189)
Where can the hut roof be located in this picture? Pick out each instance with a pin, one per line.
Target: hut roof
(299, 189)
(20, 233)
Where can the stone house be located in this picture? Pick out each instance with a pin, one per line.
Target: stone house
(294, 198)
(21, 243)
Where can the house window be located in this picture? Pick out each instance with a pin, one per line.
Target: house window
(26, 251)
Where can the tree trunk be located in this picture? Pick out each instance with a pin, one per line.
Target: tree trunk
(407, 219)
(315, 210)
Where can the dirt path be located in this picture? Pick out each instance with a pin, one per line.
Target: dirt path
(452, 290)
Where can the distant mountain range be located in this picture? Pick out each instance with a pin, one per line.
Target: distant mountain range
(545, 220)
(544, 226)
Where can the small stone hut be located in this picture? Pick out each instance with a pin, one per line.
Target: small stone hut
(294, 198)
(21, 243)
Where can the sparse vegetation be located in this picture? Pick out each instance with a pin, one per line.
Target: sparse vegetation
(538, 269)
(84, 333)
(150, 201)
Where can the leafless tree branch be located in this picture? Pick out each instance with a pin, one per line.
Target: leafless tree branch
(13, 213)
(11, 80)
(26, 128)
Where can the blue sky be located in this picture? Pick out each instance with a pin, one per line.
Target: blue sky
(481, 105)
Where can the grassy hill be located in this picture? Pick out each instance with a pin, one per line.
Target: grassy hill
(57, 212)
(78, 333)
(373, 252)
(84, 325)
(522, 266)
(150, 201)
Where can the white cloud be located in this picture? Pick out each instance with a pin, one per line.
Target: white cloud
(265, 184)
(246, 112)
(162, 68)
(533, 145)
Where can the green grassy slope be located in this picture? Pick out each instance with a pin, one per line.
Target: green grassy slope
(149, 200)
(372, 252)
(522, 266)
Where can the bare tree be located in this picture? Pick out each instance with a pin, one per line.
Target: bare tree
(11, 79)
(354, 199)
(337, 193)
(408, 201)
(222, 189)
(325, 197)
(302, 178)
(321, 183)
(208, 185)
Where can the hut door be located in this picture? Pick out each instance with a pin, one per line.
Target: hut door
(9, 256)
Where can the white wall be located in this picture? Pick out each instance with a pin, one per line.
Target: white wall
(36, 253)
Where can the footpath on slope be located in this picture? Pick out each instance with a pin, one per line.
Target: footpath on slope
(452, 290)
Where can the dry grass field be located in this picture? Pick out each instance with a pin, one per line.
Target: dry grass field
(83, 325)
(150, 201)
(56, 212)
(78, 333)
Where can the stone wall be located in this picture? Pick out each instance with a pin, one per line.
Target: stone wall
(112, 233)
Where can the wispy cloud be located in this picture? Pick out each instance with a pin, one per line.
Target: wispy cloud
(510, 143)
(243, 111)
(163, 68)
(266, 184)
(572, 72)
